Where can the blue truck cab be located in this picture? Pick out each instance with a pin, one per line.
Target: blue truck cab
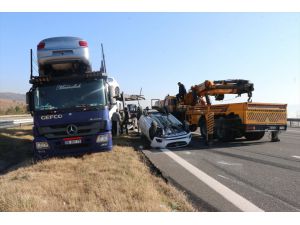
(70, 114)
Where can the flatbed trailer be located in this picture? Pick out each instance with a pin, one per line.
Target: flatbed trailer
(236, 120)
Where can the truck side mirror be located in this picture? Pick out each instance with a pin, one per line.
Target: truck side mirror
(111, 98)
(29, 101)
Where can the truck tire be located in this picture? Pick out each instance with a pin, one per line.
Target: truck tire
(254, 136)
(222, 133)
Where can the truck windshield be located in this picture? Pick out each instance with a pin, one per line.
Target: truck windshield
(79, 94)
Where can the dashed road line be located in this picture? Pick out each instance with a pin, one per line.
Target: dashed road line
(293, 131)
(229, 164)
(187, 153)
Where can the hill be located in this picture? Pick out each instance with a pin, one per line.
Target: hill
(12, 103)
(13, 96)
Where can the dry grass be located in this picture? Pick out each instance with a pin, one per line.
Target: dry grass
(15, 146)
(109, 181)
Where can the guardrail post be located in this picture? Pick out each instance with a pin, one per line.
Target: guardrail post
(294, 121)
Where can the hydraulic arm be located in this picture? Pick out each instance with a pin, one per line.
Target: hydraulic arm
(218, 89)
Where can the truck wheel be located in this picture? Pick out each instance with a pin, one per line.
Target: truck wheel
(254, 136)
(223, 133)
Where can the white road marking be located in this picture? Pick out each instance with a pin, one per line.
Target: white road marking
(229, 164)
(236, 199)
(296, 156)
(257, 191)
(187, 152)
(223, 177)
(232, 180)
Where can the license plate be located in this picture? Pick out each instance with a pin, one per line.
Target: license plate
(272, 128)
(65, 52)
(73, 142)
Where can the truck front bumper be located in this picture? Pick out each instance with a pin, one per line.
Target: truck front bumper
(253, 128)
(44, 148)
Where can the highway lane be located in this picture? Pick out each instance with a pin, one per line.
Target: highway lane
(265, 173)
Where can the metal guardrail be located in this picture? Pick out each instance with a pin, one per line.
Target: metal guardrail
(16, 115)
(293, 122)
(16, 122)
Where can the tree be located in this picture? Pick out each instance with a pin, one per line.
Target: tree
(18, 109)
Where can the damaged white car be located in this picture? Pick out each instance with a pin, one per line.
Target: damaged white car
(163, 130)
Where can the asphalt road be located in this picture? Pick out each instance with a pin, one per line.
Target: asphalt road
(237, 176)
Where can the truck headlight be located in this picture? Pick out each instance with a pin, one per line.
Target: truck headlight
(42, 145)
(102, 138)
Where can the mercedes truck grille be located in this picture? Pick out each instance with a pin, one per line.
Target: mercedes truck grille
(74, 129)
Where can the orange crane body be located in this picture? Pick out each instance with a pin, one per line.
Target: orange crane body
(227, 121)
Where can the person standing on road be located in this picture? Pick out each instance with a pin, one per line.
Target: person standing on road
(153, 129)
(125, 121)
(139, 112)
(116, 121)
(181, 91)
(138, 115)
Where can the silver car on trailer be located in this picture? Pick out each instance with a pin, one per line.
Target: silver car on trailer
(62, 55)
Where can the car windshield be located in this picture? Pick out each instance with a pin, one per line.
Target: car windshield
(70, 95)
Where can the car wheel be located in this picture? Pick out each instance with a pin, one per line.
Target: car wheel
(82, 68)
(193, 127)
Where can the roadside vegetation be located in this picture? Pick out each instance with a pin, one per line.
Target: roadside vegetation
(12, 107)
(120, 180)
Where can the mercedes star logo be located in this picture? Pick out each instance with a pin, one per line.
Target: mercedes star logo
(72, 129)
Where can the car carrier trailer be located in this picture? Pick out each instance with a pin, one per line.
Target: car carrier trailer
(70, 113)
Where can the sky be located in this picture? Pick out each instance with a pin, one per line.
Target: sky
(154, 51)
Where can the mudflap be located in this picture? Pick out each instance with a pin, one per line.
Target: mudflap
(274, 136)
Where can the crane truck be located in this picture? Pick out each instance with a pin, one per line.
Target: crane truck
(226, 121)
(71, 113)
